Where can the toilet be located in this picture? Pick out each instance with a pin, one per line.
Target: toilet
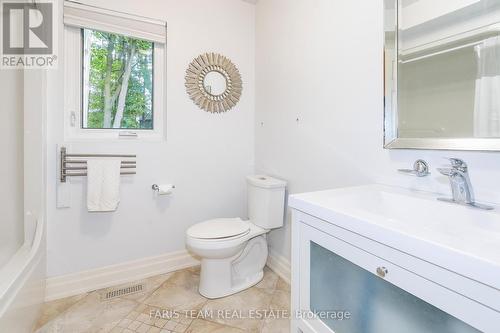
(234, 251)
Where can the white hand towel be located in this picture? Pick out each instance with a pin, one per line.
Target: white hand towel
(103, 185)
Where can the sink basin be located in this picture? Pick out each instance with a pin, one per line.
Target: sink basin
(459, 238)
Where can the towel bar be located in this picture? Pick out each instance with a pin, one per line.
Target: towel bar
(65, 162)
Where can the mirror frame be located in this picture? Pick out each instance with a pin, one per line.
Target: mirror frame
(391, 139)
(195, 85)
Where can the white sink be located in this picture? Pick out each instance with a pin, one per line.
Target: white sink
(459, 238)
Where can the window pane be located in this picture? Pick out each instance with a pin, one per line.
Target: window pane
(117, 81)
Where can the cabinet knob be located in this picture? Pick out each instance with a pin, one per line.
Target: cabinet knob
(382, 272)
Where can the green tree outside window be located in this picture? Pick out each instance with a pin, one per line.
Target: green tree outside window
(117, 81)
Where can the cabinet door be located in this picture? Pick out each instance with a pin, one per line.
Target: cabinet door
(353, 291)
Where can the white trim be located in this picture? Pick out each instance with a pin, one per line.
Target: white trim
(86, 16)
(279, 265)
(86, 281)
(73, 131)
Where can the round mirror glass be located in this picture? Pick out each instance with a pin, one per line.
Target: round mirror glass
(215, 83)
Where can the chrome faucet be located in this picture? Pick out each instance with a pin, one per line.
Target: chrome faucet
(461, 187)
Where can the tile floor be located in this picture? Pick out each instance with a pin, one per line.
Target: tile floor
(172, 304)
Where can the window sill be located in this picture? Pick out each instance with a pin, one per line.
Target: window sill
(107, 136)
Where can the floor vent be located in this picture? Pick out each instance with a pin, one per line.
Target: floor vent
(124, 291)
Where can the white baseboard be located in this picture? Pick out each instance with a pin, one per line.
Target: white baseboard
(86, 281)
(280, 265)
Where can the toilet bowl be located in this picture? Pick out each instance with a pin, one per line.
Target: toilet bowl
(233, 251)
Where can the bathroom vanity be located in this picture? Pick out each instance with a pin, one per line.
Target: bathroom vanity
(377, 259)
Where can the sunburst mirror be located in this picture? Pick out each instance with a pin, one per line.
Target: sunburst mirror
(214, 83)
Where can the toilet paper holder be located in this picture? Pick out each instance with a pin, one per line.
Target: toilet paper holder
(156, 187)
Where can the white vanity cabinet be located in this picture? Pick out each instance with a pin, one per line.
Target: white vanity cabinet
(357, 284)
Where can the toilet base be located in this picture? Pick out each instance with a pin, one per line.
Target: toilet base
(211, 292)
(224, 277)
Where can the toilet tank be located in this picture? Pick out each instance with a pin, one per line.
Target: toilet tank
(266, 201)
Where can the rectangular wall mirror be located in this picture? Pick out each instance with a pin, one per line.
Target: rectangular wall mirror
(442, 74)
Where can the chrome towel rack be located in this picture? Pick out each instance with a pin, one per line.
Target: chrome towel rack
(75, 165)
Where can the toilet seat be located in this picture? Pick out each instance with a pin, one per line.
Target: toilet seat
(219, 229)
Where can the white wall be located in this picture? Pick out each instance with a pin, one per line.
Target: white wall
(207, 156)
(11, 165)
(321, 62)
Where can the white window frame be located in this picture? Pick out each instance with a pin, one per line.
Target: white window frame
(73, 111)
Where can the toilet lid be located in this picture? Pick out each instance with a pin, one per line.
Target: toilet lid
(219, 228)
